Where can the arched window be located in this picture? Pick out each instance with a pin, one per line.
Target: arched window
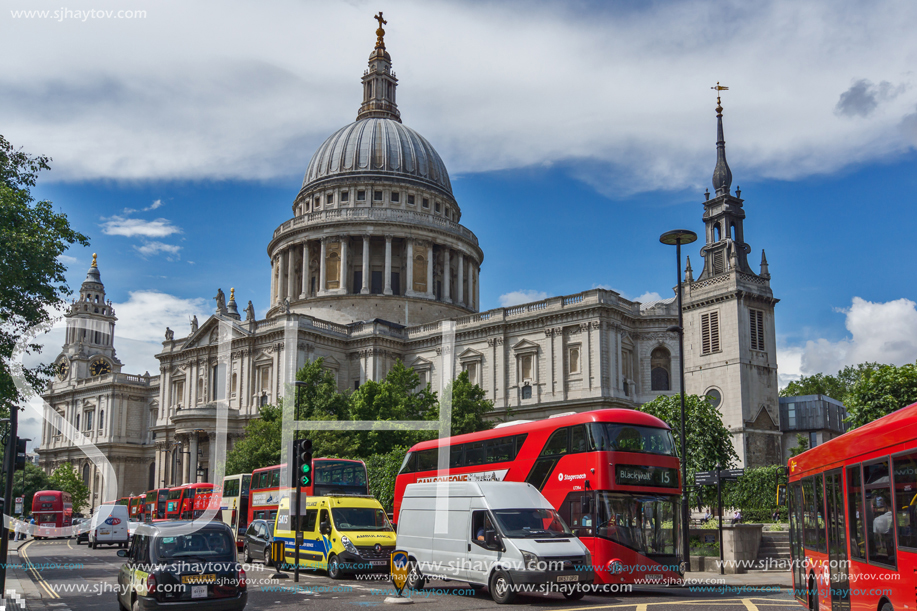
(716, 232)
(660, 368)
(176, 466)
(86, 474)
(732, 231)
(235, 381)
(152, 482)
(200, 390)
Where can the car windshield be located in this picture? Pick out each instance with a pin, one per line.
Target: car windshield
(646, 524)
(360, 518)
(203, 545)
(531, 523)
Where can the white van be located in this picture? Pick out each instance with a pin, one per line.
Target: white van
(109, 526)
(503, 535)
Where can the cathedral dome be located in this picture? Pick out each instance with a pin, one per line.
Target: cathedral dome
(378, 147)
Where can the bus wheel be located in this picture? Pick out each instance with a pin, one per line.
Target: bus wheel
(887, 607)
(415, 577)
(501, 588)
(334, 568)
(813, 594)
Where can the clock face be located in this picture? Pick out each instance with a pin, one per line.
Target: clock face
(63, 369)
(99, 367)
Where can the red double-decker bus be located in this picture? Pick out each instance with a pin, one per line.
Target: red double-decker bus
(180, 502)
(52, 509)
(330, 476)
(853, 517)
(136, 506)
(154, 507)
(612, 474)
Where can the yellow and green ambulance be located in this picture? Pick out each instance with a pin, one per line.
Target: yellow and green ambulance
(341, 534)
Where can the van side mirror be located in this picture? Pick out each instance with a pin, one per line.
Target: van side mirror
(491, 541)
(325, 528)
(122, 553)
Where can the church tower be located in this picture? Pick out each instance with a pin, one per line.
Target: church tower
(730, 339)
(89, 341)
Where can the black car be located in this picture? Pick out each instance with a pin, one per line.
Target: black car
(82, 533)
(257, 541)
(180, 565)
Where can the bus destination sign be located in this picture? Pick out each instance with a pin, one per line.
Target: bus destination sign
(638, 475)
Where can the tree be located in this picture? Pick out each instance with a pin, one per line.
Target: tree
(260, 445)
(879, 392)
(469, 407)
(708, 441)
(319, 399)
(35, 479)
(32, 283)
(66, 479)
(802, 444)
(835, 387)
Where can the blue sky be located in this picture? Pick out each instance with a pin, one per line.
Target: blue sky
(574, 135)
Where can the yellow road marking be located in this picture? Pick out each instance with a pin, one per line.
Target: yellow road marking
(38, 578)
(640, 608)
(749, 605)
(746, 601)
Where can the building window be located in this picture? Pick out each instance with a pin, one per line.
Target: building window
(757, 329)
(77, 427)
(813, 439)
(377, 196)
(88, 421)
(526, 366)
(410, 200)
(396, 197)
(437, 207)
(86, 474)
(573, 359)
(235, 381)
(660, 366)
(714, 397)
(101, 418)
(527, 392)
(710, 332)
(329, 199)
(718, 262)
(791, 415)
(345, 196)
(318, 202)
(426, 203)
(361, 195)
(265, 379)
(472, 369)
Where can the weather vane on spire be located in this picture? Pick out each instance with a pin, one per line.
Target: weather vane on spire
(719, 88)
(380, 33)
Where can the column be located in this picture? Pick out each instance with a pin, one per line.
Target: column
(447, 276)
(366, 273)
(273, 281)
(430, 292)
(280, 285)
(321, 267)
(409, 290)
(388, 265)
(193, 449)
(477, 288)
(471, 283)
(305, 271)
(345, 240)
(291, 279)
(185, 463)
(461, 279)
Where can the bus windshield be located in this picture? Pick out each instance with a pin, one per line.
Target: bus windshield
(175, 494)
(607, 436)
(531, 523)
(339, 473)
(360, 518)
(645, 524)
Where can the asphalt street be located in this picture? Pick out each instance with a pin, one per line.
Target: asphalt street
(75, 578)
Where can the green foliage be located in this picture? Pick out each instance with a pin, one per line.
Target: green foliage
(802, 444)
(708, 441)
(469, 407)
(35, 479)
(32, 283)
(320, 400)
(879, 392)
(381, 471)
(755, 491)
(66, 479)
(836, 386)
(260, 445)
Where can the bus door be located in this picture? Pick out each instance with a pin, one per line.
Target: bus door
(578, 511)
(837, 542)
(796, 551)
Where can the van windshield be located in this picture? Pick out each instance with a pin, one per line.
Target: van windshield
(360, 518)
(531, 523)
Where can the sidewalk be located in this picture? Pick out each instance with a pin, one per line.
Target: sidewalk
(18, 580)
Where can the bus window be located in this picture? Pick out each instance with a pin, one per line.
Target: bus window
(820, 514)
(906, 499)
(475, 453)
(578, 439)
(557, 443)
(275, 477)
(500, 450)
(880, 536)
(457, 456)
(408, 465)
(855, 506)
(426, 460)
(246, 484)
(808, 507)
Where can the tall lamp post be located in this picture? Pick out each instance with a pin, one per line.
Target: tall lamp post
(678, 237)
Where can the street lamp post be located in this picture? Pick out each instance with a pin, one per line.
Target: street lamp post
(678, 237)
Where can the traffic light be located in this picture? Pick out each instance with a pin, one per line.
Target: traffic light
(20, 453)
(305, 463)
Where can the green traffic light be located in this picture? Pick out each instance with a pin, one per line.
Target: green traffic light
(306, 468)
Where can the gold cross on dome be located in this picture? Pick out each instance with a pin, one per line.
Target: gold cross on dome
(384, 22)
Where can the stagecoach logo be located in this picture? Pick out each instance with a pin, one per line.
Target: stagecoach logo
(480, 476)
(561, 477)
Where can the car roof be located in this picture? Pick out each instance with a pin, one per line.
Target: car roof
(163, 528)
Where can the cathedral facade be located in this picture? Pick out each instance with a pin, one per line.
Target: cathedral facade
(373, 267)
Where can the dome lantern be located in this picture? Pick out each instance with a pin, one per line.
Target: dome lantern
(379, 82)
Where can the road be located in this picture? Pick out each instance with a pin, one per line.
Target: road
(75, 578)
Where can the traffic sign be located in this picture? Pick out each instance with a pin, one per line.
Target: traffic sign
(732, 474)
(705, 478)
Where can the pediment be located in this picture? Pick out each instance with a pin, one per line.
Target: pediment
(208, 333)
(470, 354)
(525, 345)
(420, 363)
(263, 356)
(763, 421)
(330, 362)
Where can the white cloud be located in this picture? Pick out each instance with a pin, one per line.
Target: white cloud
(154, 248)
(118, 225)
(67, 259)
(626, 87)
(519, 297)
(880, 332)
(153, 206)
(648, 297)
(146, 314)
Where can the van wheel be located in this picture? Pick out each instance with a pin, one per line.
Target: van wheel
(573, 593)
(121, 604)
(416, 579)
(334, 568)
(501, 588)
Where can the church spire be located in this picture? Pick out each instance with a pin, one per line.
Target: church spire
(722, 175)
(379, 82)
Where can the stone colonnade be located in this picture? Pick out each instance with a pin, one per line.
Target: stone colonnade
(321, 267)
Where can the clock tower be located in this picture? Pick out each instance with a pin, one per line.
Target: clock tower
(89, 342)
